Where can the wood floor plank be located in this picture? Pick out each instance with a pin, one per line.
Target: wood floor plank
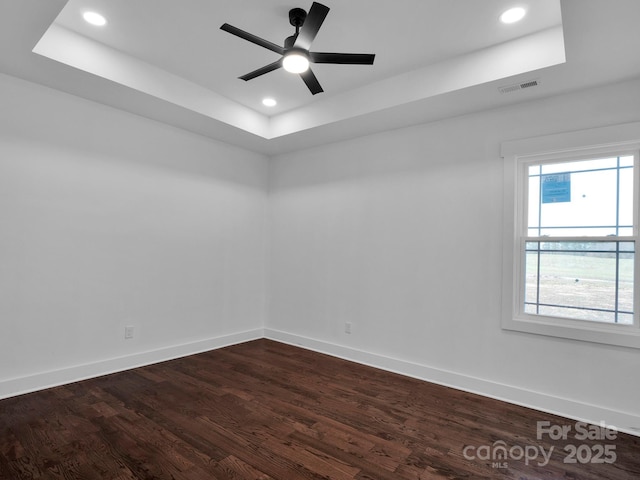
(268, 411)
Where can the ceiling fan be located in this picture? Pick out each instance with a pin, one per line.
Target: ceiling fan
(295, 52)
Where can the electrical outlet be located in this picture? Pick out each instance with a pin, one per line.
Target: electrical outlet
(128, 332)
(347, 327)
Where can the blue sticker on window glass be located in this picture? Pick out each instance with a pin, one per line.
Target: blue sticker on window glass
(556, 188)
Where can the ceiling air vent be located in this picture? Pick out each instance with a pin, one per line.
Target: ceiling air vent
(519, 86)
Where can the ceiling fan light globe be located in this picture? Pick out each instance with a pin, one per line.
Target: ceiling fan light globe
(295, 62)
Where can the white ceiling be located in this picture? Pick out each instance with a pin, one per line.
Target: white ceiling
(170, 61)
(184, 38)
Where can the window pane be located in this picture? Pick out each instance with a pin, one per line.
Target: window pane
(598, 164)
(531, 281)
(582, 198)
(555, 311)
(576, 232)
(580, 280)
(625, 319)
(625, 287)
(578, 247)
(626, 197)
(592, 203)
(534, 202)
(626, 161)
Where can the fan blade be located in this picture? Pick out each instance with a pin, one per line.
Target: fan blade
(252, 38)
(343, 58)
(311, 81)
(313, 22)
(261, 71)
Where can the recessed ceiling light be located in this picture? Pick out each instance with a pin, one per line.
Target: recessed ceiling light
(513, 15)
(94, 18)
(269, 102)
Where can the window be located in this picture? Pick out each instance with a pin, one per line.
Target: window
(572, 267)
(571, 233)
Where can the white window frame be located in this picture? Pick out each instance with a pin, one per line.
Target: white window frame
(518, 155)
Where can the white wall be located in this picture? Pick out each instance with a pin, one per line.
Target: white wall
(400, 234)
(109, 219)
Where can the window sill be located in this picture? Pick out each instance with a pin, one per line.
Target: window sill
(610, 334)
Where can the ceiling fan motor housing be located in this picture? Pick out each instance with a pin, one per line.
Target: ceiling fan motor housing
(297, 17)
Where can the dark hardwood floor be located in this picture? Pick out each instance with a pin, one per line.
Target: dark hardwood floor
(264, 410)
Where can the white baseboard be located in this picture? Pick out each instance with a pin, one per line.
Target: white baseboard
(54, 378)
(623, 421)
(572, 409)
